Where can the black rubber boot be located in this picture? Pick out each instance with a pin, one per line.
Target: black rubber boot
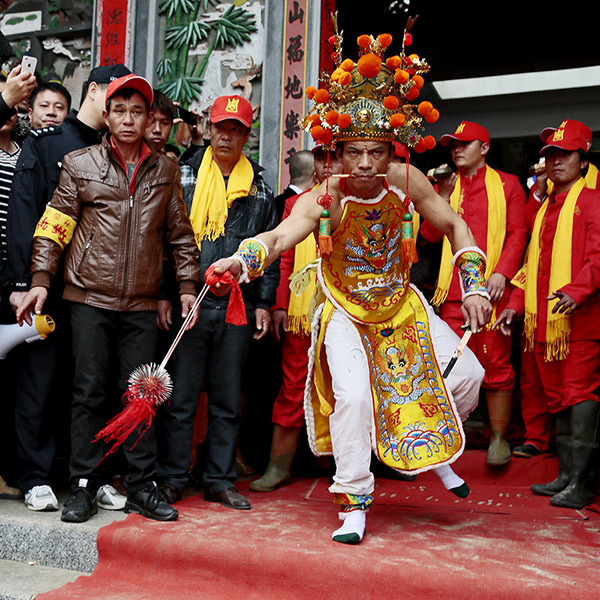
(585, 419)
(563, 449)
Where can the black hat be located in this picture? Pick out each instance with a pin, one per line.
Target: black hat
(108, 73)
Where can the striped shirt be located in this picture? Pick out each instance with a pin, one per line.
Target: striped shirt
(7, 170)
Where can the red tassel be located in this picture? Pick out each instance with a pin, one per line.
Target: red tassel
(236, 309)
(325, 245)
(137, 411)
(409, 252)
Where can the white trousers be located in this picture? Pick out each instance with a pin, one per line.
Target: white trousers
(351, 424)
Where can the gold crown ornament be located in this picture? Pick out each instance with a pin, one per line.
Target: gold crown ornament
(371, 99)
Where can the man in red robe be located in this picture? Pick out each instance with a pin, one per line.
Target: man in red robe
(492, 203)
(557, 290)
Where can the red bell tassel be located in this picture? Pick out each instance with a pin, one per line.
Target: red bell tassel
(236, 309)
(409, 252)
(137, 412)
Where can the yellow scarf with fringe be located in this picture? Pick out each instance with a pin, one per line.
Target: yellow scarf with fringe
(558, 325)
(305, 253)
(212, 199)
(496, 231)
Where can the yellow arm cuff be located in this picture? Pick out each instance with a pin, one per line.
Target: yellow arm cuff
(56, 226)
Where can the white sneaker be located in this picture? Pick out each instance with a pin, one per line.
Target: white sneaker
(41, 497)
(109, 499)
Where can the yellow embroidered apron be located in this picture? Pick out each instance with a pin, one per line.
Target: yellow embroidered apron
(416, 423)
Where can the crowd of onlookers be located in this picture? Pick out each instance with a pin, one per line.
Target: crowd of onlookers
(203, 199)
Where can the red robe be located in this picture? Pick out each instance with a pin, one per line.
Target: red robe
(575, 378)
(288, 410)
(491, 347)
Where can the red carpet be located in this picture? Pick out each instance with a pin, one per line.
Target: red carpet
(500, 543)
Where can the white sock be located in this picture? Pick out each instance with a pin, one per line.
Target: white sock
(452, 481)
(353, 529)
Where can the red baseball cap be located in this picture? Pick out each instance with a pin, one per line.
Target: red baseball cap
(466, 132)
(133, 82)
(570, 136)
(232, 107)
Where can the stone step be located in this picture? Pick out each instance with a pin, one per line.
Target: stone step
(43, 539)
(24, 581)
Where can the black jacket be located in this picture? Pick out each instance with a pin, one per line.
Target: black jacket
(247, 217)
(36, 177)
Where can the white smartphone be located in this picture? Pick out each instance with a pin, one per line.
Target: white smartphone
(29, 63)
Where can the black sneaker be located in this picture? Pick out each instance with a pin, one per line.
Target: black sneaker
(80, 506)
(148, 503)
(526, 451)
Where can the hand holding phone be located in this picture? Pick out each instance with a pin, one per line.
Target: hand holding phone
(28, 64)
(18, 86)
(186, 116)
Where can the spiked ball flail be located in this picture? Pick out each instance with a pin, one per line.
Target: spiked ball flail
(149, 386)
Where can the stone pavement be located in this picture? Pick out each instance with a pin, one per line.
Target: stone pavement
(38, 552)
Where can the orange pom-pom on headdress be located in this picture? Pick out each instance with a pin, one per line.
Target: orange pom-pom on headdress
(310, 92)
(397, 120)
(429, 142)
(401, 76)
(347, 65)
(332, 117)
(433, 115)
(391, 102)
(344, 121)
(345, 78)
(317, 132)
(418, 81)
(425, 108)
(385, 39)
(369, 65)
(413, 93)
(321, 96)
(393, 62)
(363, 41)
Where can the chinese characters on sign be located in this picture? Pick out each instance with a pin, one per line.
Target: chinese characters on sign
(293, 84)
(113, 32)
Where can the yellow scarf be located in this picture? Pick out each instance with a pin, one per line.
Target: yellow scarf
(298, 307)
(558, 326)
(496, 230)
(212, 199)
(591, 179)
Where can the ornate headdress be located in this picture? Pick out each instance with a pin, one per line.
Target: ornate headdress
(372, 98)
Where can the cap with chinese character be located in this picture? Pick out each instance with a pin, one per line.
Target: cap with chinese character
(466, 132)
(132, 82)
(108, 73)
(570, 136)
(232, 107)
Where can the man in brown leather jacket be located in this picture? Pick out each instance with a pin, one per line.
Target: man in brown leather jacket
(116, 207)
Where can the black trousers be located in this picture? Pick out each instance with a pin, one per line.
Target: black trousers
(214, 353)
(42, 383)
(102, 338)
